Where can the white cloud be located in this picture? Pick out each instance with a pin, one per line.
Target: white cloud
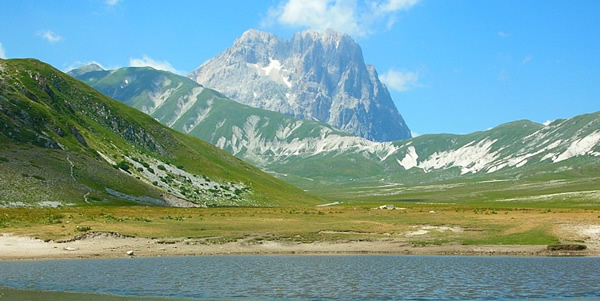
(400, 80)
(414, 134)
(354, 17)
(527, 59)
(391, 6)
(146, 61)
(2, 52)
(503, 34)
(50, 36)
(112, 2)
(503, 75)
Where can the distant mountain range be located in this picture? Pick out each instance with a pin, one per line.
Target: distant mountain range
(64, 143)
(313, 76)
(314, 155)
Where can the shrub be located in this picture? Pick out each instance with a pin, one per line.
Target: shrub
(124, 165)
(53, 219)
(566, 247)
(83, 228)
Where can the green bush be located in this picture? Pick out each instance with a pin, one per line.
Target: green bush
(566, 247)
(39, 178)
(83, 228)
(124, 165)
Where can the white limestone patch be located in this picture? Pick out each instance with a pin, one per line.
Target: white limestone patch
(184, 104)
(220, 124)
(283, 132)
(591, 233)
(590, 195)
(50, 204)
(201, 114)
(425, 229)
(42, 204)
(180, 184)
(251, 128)
(410, 159)
(158, 99)
(107, 158)
(13, 204)
(579, 147)
(470, 158)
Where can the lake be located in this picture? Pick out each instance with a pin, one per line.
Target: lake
(307, 278)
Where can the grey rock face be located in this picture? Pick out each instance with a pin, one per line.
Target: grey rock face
(320, 76)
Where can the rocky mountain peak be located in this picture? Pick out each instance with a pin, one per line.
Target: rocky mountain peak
(85, 69)
(317, 76)
(327, 38)
(254, 35)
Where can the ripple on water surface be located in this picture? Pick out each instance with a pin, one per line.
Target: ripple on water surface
(315, 277)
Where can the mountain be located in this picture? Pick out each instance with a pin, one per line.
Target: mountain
(315, 156)
(256, 135)
(313, 76)
(64, 143)
(90, 69)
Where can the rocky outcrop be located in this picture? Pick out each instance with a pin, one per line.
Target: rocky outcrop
(316, 76)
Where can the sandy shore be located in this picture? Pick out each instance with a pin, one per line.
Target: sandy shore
(113, 245)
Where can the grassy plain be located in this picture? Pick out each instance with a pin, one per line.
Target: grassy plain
(414, 223)
(543, 212)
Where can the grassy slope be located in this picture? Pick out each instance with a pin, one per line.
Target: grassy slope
(350, 176)
(56, 104)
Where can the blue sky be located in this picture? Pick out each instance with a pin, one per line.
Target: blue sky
(451, 66)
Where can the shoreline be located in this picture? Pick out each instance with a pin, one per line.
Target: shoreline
(109, 245)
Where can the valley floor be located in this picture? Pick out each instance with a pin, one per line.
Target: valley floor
(110, 232)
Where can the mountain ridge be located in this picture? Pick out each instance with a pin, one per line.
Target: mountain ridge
(310, 154)
(312, 76)
(104, 152)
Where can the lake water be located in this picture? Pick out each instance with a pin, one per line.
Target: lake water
(314, 277)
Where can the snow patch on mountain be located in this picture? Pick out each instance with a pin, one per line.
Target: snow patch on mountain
(273, 71)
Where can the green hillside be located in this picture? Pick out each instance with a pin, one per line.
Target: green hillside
(338, 166)
(62, 142)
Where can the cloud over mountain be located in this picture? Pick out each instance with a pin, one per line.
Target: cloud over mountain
(146, 61)
(400, 80)
(356, 18)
